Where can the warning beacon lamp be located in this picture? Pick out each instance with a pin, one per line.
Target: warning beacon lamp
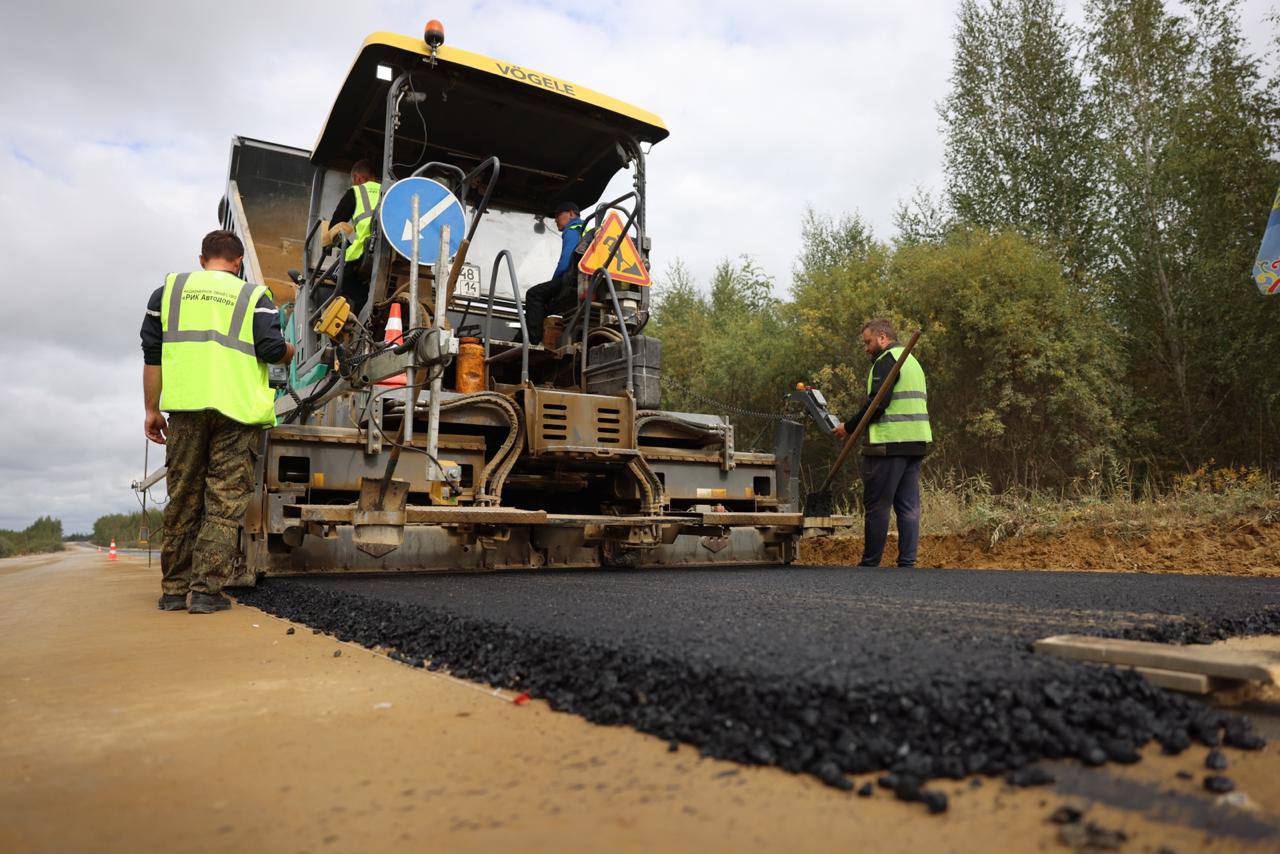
(434, 37)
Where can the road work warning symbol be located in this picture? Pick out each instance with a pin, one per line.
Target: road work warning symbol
(436, 207)
(626, 265)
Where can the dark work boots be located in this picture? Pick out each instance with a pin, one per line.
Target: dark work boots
(207, 603)
(172, 602)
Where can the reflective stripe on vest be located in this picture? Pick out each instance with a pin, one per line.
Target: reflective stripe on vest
(367, 195)
(207, 354)
(906, 419)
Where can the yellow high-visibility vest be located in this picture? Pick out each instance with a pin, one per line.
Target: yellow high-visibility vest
(207, 356)
(907, 417)
(367, 195)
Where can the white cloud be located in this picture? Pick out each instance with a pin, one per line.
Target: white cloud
(116, 118)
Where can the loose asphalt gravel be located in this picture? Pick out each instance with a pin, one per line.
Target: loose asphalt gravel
(830, 671)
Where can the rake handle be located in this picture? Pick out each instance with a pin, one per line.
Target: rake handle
(458, 261)
(866, 416)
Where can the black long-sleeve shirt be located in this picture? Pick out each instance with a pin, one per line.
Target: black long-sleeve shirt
(346, 208)
(880, 370)
(268, 342)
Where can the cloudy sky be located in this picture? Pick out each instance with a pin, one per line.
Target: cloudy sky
(116, 119)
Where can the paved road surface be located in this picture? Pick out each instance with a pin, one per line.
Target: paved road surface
(123, 728)
(830, 671)
(833, 624)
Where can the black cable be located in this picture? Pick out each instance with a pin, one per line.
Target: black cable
(307, 406)
(409, 340)
(345, 370)
(345, 366)
(721, 405)
(417, 106)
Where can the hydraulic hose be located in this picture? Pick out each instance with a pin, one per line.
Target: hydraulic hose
(650, 485)
(494, 475)
(650, 416)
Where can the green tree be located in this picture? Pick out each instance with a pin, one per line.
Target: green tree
(42, 535)
(731, 345)
(1188, 136)
(1020, 130)
(1022, 370)
(828, 243)
(681, 322)
(922, 219)
(126, 529)
(1023, 380)
(839, 283)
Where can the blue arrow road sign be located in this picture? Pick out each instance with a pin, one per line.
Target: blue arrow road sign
(436, 207)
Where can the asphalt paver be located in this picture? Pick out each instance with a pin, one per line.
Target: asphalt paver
(824, 670)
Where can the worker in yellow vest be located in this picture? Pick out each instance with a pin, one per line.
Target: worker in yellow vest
(207, 338)
(898, 437)
(354, 216)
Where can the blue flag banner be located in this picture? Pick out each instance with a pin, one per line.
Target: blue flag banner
(1266, 270)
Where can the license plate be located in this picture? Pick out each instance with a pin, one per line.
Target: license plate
(469, 282)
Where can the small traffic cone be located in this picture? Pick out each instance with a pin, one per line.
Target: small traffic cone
(111, 555)
(394, 335)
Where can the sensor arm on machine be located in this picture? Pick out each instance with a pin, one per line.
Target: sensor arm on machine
(816, 406)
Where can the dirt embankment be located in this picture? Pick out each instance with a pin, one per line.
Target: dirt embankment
(1239, 547)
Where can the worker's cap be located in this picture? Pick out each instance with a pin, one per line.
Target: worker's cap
(566, 207)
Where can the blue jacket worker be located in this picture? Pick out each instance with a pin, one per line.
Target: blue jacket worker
(539, 299)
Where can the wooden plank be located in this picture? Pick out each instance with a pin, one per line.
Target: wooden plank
(1245, 665)
(830, 522)
(342, 514)
(335, 514)
(573, 520)
(465, 515)
(758, 520)
(710, 457)
(1186, 683)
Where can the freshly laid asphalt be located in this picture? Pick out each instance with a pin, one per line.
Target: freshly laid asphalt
(830, 671)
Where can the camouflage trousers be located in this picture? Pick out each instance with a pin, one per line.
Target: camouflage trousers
(210, 458)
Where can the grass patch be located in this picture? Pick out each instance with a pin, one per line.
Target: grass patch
(967, 506)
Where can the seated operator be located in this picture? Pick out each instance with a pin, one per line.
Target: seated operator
(354, 215)
(539, 299)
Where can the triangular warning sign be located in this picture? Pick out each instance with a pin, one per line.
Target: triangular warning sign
(626, 265)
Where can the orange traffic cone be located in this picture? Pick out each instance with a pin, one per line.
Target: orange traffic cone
(111, 555)
(394, 335)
